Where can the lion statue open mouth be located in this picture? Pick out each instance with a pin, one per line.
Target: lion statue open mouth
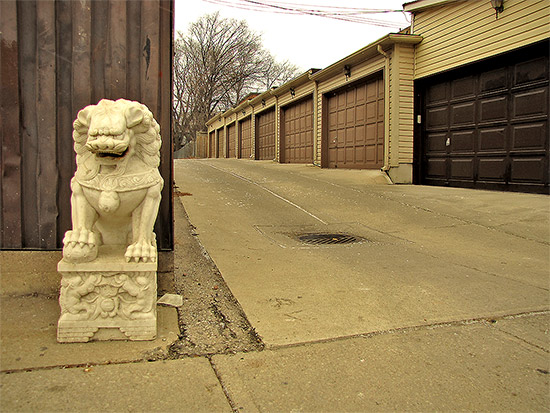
(116, 188)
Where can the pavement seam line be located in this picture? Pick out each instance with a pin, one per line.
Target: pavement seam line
(225, 390)
(522, 339)
(269, 191)
(403, 330)
(464, 221)
(72, 366)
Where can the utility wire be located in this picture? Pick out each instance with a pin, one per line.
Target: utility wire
(354, 15)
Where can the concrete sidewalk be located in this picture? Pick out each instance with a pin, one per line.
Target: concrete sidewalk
(443, 305)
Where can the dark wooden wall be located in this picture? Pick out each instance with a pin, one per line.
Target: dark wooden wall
(57, 57)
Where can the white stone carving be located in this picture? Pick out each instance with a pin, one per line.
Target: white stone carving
(109, 266)
(117, 185)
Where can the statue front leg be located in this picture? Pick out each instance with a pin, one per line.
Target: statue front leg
(81, 243)
(144, 247)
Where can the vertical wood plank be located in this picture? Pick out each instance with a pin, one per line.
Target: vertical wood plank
(100, 15)
(117, 42)
(64, 89)
(166, 24)
(27, 34)
(10, 201)
(82, 52)
(133, 50)
(150, 21)
(47, 177)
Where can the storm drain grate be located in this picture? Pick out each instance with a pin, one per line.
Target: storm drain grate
(328, 239)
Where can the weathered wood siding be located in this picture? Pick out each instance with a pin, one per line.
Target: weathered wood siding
(463, 32)
(57, 57)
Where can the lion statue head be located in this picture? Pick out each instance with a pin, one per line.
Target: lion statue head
(114, 131)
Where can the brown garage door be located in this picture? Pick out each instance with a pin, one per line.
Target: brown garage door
(265, 136)
(246, 138)
(297, 136)
(356, 126)
(211, 144)
(486, 126)
(221, 151)
(231, 141)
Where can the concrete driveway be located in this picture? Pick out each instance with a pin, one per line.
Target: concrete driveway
(426, 255)
(441, 303)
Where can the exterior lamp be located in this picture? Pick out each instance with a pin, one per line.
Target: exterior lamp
(347, 71)
(263, 102)
(292, 92)
(498, 5)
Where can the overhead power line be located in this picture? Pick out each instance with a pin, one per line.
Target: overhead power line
(348, 14)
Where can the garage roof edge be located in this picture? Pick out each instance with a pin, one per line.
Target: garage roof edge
(419, 5)
(297, 81)
(367, 51)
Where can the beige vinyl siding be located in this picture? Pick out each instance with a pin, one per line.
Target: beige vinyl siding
(401, 104)
(467, 31)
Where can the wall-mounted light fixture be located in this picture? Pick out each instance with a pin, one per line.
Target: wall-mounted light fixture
(347, 71)
(243, 112)
(292, 92)
(263, 102)
(498, 5)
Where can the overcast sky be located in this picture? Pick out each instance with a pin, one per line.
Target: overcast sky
(305, 40)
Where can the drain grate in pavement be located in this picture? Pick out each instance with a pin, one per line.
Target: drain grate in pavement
(328, 239)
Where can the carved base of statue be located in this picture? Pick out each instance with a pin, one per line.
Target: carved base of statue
(108, 298)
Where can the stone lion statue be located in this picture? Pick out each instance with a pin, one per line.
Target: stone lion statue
(116, 188)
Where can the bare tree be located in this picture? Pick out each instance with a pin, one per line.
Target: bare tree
(216, 64)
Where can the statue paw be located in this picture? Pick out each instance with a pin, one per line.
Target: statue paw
(80, 246)
(141, 251)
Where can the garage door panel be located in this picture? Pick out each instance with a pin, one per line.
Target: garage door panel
(493, 139)
(350, 136)
(436, 94)
(531, 136)
(487, 123)
(437, 118)
(493, 80)
(436, 143)
(492, 169)
(530, 71)
(360, 136)
(372, 113)
(463, 141)
(370, 152)
(436, 168)
(462, 88)
(361, 94)
(463, 114)
(231, 141)
(494, 109)
(531, 103)
(528, 169)
(462, 168)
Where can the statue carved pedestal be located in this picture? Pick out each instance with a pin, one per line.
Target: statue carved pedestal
(107, 299)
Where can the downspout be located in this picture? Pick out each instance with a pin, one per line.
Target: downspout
(386, 166)
(277, 129)
(253, 130)
(316, 140)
